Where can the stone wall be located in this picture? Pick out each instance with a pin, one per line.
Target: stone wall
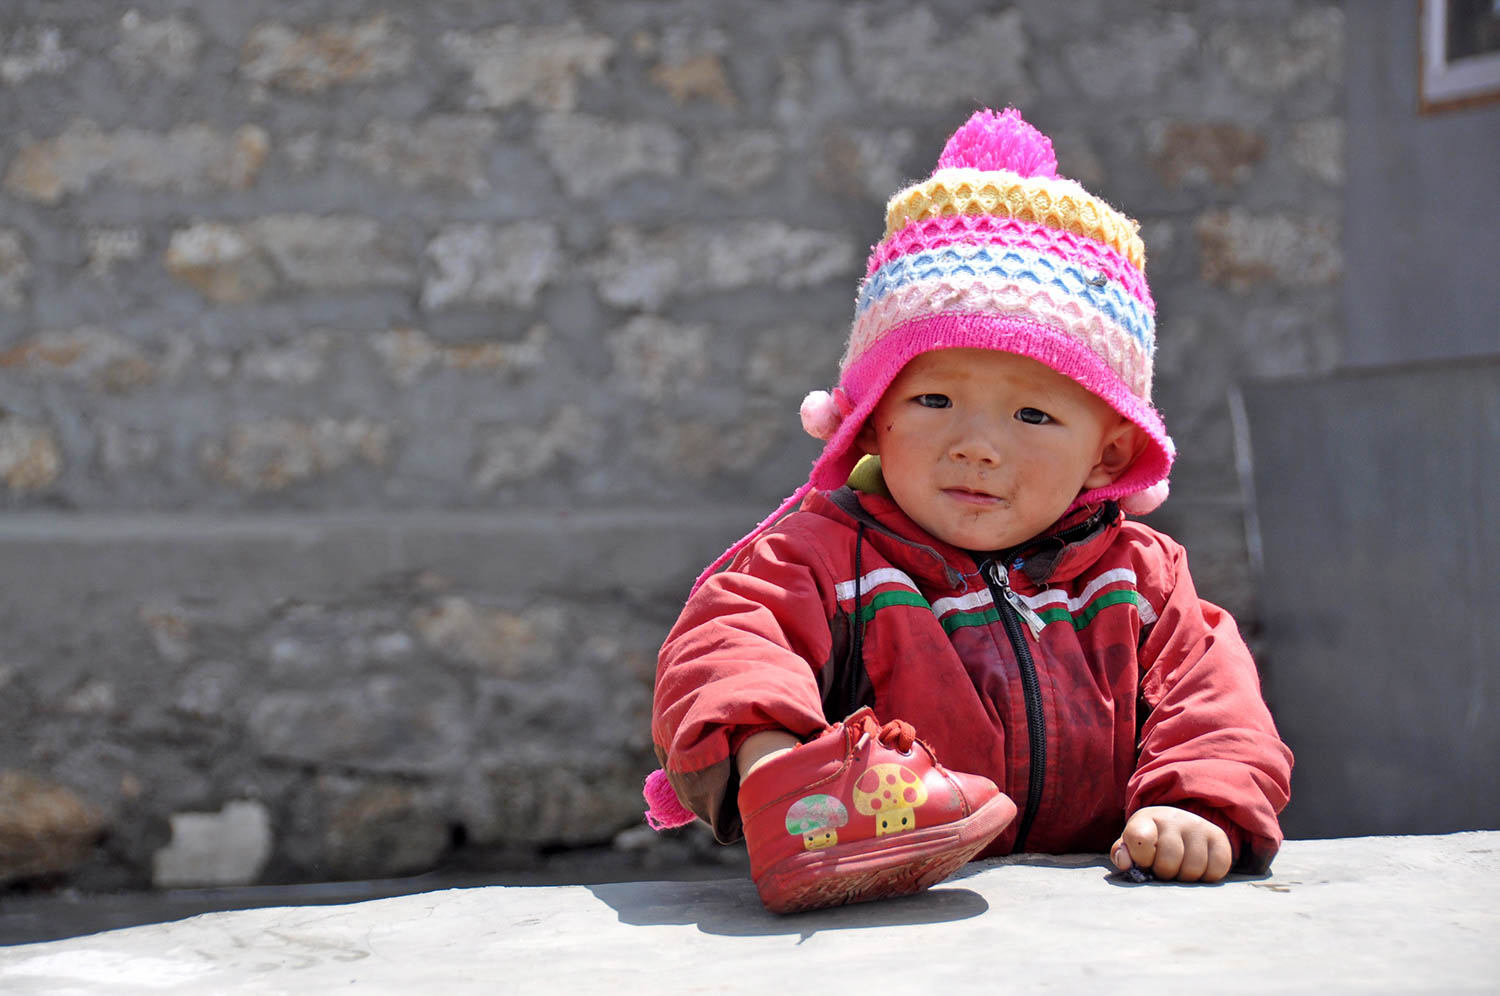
(373, 380)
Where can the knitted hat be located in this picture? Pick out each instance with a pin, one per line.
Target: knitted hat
(996, 251)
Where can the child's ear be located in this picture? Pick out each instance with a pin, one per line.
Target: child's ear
(1122, 444)
(865, 438)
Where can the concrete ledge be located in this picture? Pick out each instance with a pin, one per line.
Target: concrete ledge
(1356, 915)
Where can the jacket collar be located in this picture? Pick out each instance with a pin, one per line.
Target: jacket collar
(1073, 545)
(1059, 555)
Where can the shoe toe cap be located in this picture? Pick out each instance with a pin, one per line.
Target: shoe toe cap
(976, 789)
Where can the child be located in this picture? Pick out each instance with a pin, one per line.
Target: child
(973, 581)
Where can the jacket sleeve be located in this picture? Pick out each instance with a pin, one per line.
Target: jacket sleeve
(742, 658)
(1208, 744)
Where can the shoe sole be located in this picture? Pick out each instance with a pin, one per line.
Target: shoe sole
(883, 867)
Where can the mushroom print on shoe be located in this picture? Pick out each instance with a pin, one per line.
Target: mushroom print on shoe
(891, 793)
(817, 819)
(806, 849)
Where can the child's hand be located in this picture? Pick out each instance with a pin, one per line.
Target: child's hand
(1173, 843)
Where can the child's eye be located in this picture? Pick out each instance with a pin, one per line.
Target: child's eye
(934, 401)
(1033, 416)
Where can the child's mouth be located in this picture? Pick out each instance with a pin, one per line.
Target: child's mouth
(971, 497)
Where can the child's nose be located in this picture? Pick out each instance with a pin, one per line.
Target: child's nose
(978, 442)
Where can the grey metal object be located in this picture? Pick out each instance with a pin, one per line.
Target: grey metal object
(1376, 497)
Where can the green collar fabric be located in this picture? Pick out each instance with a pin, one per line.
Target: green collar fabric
(867, 478)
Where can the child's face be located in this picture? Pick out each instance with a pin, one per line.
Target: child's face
(985, 449)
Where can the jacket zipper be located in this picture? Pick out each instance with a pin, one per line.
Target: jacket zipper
(1012, 611)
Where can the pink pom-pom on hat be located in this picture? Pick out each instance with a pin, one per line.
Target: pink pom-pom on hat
(990, 141)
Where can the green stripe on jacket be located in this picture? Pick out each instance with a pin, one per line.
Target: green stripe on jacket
(959, 620)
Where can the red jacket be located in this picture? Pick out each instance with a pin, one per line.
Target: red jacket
(1084, 675)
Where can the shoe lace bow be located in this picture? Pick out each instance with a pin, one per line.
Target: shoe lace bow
(897, 734)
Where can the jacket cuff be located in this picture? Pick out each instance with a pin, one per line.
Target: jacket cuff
(740, 734)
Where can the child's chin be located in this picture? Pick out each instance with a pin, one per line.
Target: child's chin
(979, 539)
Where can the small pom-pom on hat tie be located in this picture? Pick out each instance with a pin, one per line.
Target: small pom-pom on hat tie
(822, 413)
(1143, 502)
(664, 810)
(990, 141)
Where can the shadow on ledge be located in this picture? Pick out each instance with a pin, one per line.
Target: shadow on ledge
(731, 908)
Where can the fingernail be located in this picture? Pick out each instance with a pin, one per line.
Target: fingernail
(1120, 858)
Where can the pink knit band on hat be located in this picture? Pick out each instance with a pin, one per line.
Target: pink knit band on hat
(867, 378)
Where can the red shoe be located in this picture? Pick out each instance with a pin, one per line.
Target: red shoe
(862, 812)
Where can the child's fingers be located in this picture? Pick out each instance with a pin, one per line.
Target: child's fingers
(1169, 854)
(1140, 840)
(1207, 855)
(1173, 844)
(1220, 857)
(1195, 852)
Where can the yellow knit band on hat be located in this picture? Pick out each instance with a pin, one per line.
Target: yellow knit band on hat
(1054, 202)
